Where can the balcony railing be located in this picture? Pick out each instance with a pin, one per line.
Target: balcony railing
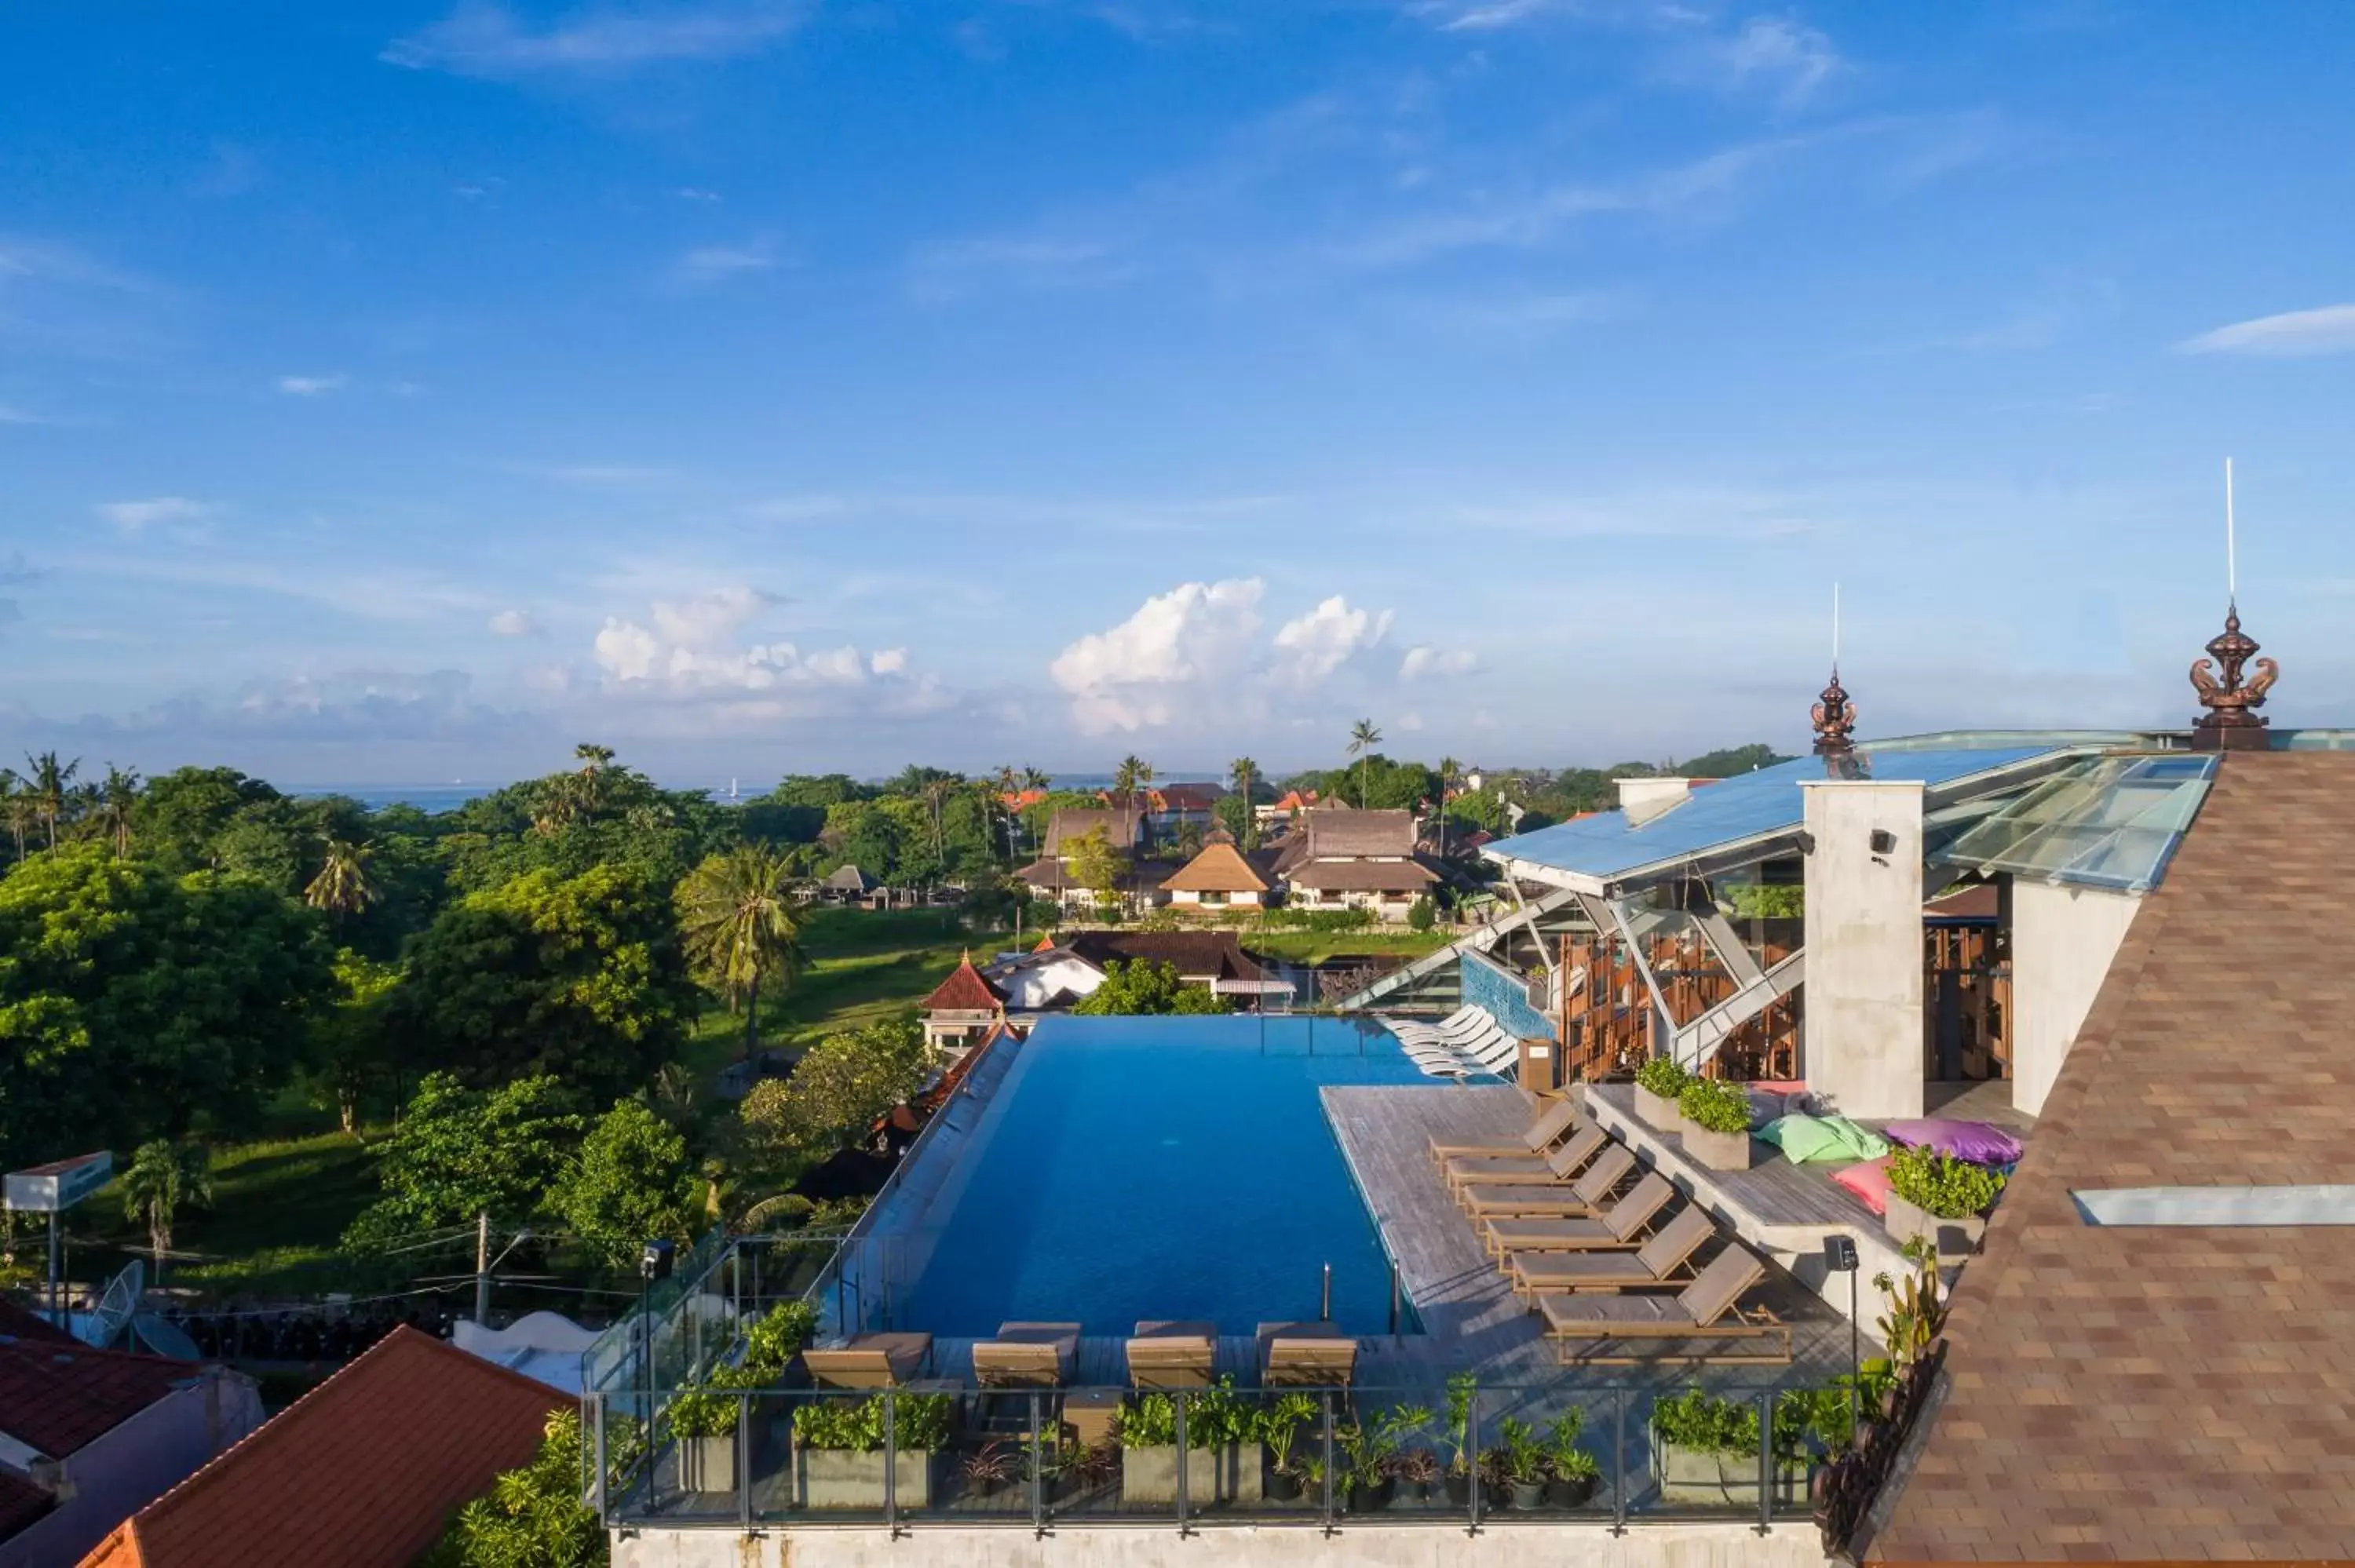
(928, 1454)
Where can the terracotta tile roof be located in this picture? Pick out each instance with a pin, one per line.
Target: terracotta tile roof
(362, 1472)
(58, 1397)
(21, 1502)
(1220, 868)
(966, 989)
(2172, 1393)
(23, 1323)
(1189, 797)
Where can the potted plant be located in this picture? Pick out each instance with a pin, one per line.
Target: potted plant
(1458, 1439)
(1572, 1473)
(838, 1460)
(1717, 1123)
(1940, 1200)
(702, 1421)
(1516, 1464)
(1705, 1450)
(1414, 1475)
(1218, 1424)
(1279, 1426)
(986, 1470)
(1659, 1082)
(1368, 1448)
(774, 1339)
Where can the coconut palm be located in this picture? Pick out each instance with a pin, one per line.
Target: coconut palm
(116, 797)
(1363, 738)
(50, 783)
(739, 927)
(1448, 770)
(343, 886)
(162, 1179)
(1243, 772)
(15, 808)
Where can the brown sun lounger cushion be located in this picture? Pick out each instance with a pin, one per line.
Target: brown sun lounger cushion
(1581, 1197)
(1696, 1310)
(1172, 1354)
(1306, 1355)
(1027, 1355)
(1655, 1263)
(1614, 1228)
(1549, 1166)
(870, 1361)
(1546, 1130)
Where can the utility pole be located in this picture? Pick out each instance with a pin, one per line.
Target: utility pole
(483, 1269)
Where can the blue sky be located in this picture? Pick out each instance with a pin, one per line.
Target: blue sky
(398, 393)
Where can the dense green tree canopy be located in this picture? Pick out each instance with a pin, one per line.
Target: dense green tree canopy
(580, 977)
(134, 1003)
(1145, 987)
(838, 1089)
(461, 1151)
(631, 1182)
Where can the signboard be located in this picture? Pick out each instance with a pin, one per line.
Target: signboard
(58, 1186)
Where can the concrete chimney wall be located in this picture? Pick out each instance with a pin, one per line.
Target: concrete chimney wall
(1863, 1035)
(1643, 799)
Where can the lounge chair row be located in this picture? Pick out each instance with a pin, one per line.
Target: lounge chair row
(1467, 1041)
(1160, 1355)
(1586, 1246)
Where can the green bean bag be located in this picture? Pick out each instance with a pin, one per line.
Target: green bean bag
(1804, 1139)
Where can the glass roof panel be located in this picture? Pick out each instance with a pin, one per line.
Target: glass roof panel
(1731, 810)
(2110, 821)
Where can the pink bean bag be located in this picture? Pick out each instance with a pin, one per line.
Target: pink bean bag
(1868, 1182)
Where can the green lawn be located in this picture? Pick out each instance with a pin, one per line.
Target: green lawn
(1316, 947)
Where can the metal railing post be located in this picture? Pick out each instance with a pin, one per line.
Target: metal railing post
(1618, 1461)
(1766, 1462)
(597, 1410)
(744, 1459)
(1180, 1398)
(1472, 1451)
(1037, 1478)
(1329, 1512)
(1394, 1299)
(890, 1462)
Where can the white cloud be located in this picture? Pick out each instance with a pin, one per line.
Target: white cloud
(1486, 15)
(514, 623)
(1423, 661)
(711, 264)
(1785, 58)
(2293, 335)
(705, 620)
(888, 662)
(695, 192)
(692, 648)
(1310, 649)
(486, 39)
(134, 516)
(1179, 645)
(312, 386)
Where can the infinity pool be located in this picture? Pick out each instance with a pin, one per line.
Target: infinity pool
(1137, 1167)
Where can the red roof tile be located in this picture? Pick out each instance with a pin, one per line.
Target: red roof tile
(57, 1397)
(20, 1323)
(21, 1502)
(363, 1472)
(967, 989)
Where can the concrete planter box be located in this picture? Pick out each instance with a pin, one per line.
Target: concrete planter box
(1955, 1239)
(1697, 1478)
(707, 1464)
(847, 1477)
(1661, 1112)
(1717, 1151)
(1228, 1475)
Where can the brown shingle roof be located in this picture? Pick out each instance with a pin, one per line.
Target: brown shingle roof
(2173, 1392)
(57, 1397)
(1214, 953)
(1074, 822)
(1220, 868)
(1361, 875)
(966, 989)
(363, 1471)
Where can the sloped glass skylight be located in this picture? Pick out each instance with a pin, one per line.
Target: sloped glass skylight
(2110, 821)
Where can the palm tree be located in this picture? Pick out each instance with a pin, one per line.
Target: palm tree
(1037, 778)
(1448, 769)
(116, 797)
(15, 808)
(594, 760)
(1363, 738)
(51, 780)
(161, 1179)
(739, 927)
(343, 886)
(1243, 770)
(937, 795)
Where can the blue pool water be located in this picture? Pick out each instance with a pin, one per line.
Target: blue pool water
(1137, 1167)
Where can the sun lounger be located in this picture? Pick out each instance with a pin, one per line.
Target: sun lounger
(1670, 1327)
(870, 1361)
(1616, 1227)
(1663, 1262)
(1554, 1124)
(1027, 1355)
(1409, 1029)
(1306, 1355)
(1552, 1166)
(1172, 1355)
(1583, 1196)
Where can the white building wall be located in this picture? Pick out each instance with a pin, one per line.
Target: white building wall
(1794, 1544)
(1863, 1034)
(2062, 942)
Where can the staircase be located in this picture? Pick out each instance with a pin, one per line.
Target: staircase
(1698, 1040)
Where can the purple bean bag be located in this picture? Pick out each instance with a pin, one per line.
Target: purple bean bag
(1975, 1141)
